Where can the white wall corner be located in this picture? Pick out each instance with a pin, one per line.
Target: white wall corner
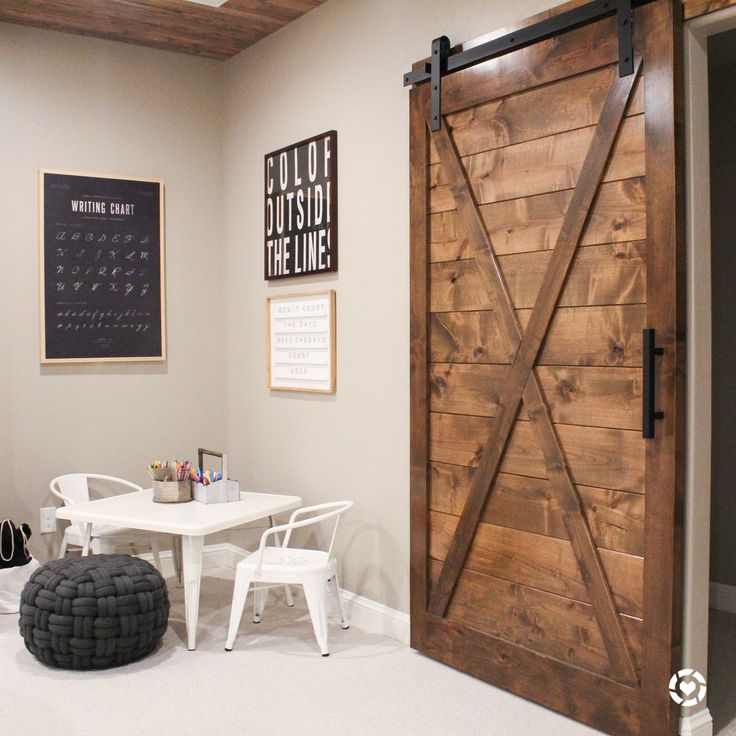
(697, 724)
(363, 613)
(723, 597)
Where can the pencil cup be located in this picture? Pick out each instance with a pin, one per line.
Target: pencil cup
(172, 491)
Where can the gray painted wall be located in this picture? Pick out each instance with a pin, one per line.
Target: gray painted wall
(95, 106)
(340, 66)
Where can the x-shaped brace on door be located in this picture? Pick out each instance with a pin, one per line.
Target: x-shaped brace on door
(522, 381)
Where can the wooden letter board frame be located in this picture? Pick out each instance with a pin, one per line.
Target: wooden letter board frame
(330, 384)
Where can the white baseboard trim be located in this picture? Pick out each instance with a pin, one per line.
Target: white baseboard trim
(363, 613)
(698, 724)
(375, 618)
(723, 597)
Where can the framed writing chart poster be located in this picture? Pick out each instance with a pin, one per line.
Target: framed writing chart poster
(301, 341)
(101, 268)
(301, 208)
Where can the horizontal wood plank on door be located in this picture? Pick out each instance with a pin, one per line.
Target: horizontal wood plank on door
(538, 561)
(540, 166)
(574, 102)
(600, 275)
(590, 396)
(606, 458)
(608, 706)
(537, 620)
(569, 53)
(533, 223)
(577, 336)
(616, 518)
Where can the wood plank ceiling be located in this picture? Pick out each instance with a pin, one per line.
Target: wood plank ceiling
(175, 25)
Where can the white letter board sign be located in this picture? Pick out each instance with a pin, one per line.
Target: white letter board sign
(301, 348)
(301, 208)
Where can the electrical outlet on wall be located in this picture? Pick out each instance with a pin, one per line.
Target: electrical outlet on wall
(47, 523)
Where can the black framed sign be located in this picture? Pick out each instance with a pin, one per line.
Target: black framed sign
(101, 268)
(301, 208)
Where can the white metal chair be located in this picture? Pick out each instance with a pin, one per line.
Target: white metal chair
(273, 566)
(74, 488)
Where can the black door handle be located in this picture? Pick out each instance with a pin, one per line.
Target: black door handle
(649, 411)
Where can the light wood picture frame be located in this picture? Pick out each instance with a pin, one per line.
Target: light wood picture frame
(301, 349)
(102, 269)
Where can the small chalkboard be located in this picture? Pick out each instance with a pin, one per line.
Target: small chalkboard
(102, 268)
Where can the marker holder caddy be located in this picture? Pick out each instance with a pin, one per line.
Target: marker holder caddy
(175, 491)
(222, 491)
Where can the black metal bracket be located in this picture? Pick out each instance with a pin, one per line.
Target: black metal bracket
(440, 52)
(443, 62)
(649, 401)
(625, 19)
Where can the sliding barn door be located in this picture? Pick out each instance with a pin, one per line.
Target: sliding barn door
(546, 551)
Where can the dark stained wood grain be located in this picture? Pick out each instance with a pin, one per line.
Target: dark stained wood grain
(607, 458)
(541, 562)
(616, 518)
(533, 223)
(174, 25)
(522, 379)
(600, 275)
(418, 405)
(540, 166)
(571, 103)
(578, 693)
(598, 397)
(606, 136)
(666, 313)
(577, 336)
(588, 48)
(534, 619)
(490, 110)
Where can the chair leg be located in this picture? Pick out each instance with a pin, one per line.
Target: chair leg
(288, 596)
(259, 603)
(62, 549)
(240, 593)
(335, 585)
(155, 548)
(87, 539)
(315, 591)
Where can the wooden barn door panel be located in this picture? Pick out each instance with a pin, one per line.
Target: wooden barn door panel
(545, 537)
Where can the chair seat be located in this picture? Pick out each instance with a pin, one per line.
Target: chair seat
(287, 561)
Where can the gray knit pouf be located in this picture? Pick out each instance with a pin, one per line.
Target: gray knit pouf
(92, 612)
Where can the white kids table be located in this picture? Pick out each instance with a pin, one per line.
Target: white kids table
(191, 521)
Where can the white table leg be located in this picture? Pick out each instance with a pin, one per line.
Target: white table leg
(192, 548)
(176, 554)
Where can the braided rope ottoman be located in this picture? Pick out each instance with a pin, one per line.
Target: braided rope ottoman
(93, 612)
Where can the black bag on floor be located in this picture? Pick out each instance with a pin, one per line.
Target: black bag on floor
(14, 544)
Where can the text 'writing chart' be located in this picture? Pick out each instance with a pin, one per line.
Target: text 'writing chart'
(301, 208)
(102, 268)
(301, 342)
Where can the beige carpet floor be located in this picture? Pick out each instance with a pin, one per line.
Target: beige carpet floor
(274, 682)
